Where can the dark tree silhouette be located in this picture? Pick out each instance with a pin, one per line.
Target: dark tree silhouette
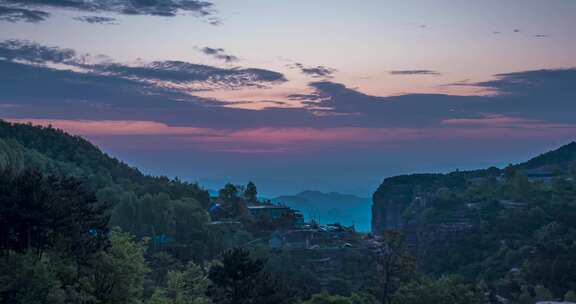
(251, 193)
(228, 193)
(37, 212)
(239, 279)
(395, 263)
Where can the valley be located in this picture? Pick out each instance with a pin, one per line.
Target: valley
(500, 233)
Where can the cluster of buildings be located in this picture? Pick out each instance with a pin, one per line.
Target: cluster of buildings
(277, 213)
(293, 233)
(286, 228)
(332, 236)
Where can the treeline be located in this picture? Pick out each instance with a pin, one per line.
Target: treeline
(55, 152)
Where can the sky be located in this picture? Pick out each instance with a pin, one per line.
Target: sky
(324, 95)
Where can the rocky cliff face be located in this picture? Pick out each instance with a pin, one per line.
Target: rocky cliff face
(389, 204)
(410, 204)
(398, 198)
(401, 196)
(434, 206)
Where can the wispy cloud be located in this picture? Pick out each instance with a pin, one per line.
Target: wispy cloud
(21, 14)
(218, 53)
(96, 20)
(314, 71)
(178, 76)
(24, 50)
(494, 120)
(415, 72)
(37, 10)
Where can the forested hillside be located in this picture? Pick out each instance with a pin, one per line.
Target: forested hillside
(142, 205)
(513, 229)
(55, 152)
(77, 226)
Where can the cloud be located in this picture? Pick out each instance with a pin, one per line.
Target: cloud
(68, 85)
(155, 136)
(177, 76)
(415, 72)
(23, 50)
(65, 93)
(113, 109)
(495, 120)
(344, 104)
(545, 95)
(96, 20)
(36, 10)
(319, 72)
(219, 53)
(314, 72)
(17, 14)
(556, 83)
(198, 77)
(418, 25)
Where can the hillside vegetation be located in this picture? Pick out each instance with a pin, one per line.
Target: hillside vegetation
(78, 226)
(513, 229)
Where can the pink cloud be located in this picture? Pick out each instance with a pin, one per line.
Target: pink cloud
(158, 136)
(110, 127)
(490, 120)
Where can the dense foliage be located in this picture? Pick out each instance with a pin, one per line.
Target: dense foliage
(170, 212)
(512, 229)
(57, 248)
(38, 213)
(77, 226)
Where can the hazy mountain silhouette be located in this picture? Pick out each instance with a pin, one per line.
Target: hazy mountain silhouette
(331, 207)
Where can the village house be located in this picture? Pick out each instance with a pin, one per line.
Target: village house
(276, 213)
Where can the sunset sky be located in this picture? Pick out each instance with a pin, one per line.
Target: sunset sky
(325, 95)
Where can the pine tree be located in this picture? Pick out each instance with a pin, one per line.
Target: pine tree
(251, 193)
(239, 279)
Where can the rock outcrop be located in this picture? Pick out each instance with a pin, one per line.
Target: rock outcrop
(405, 203)
(399, 197)
(390, 202)
(443, 214)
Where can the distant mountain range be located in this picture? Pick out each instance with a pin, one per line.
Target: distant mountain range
(331, 207)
